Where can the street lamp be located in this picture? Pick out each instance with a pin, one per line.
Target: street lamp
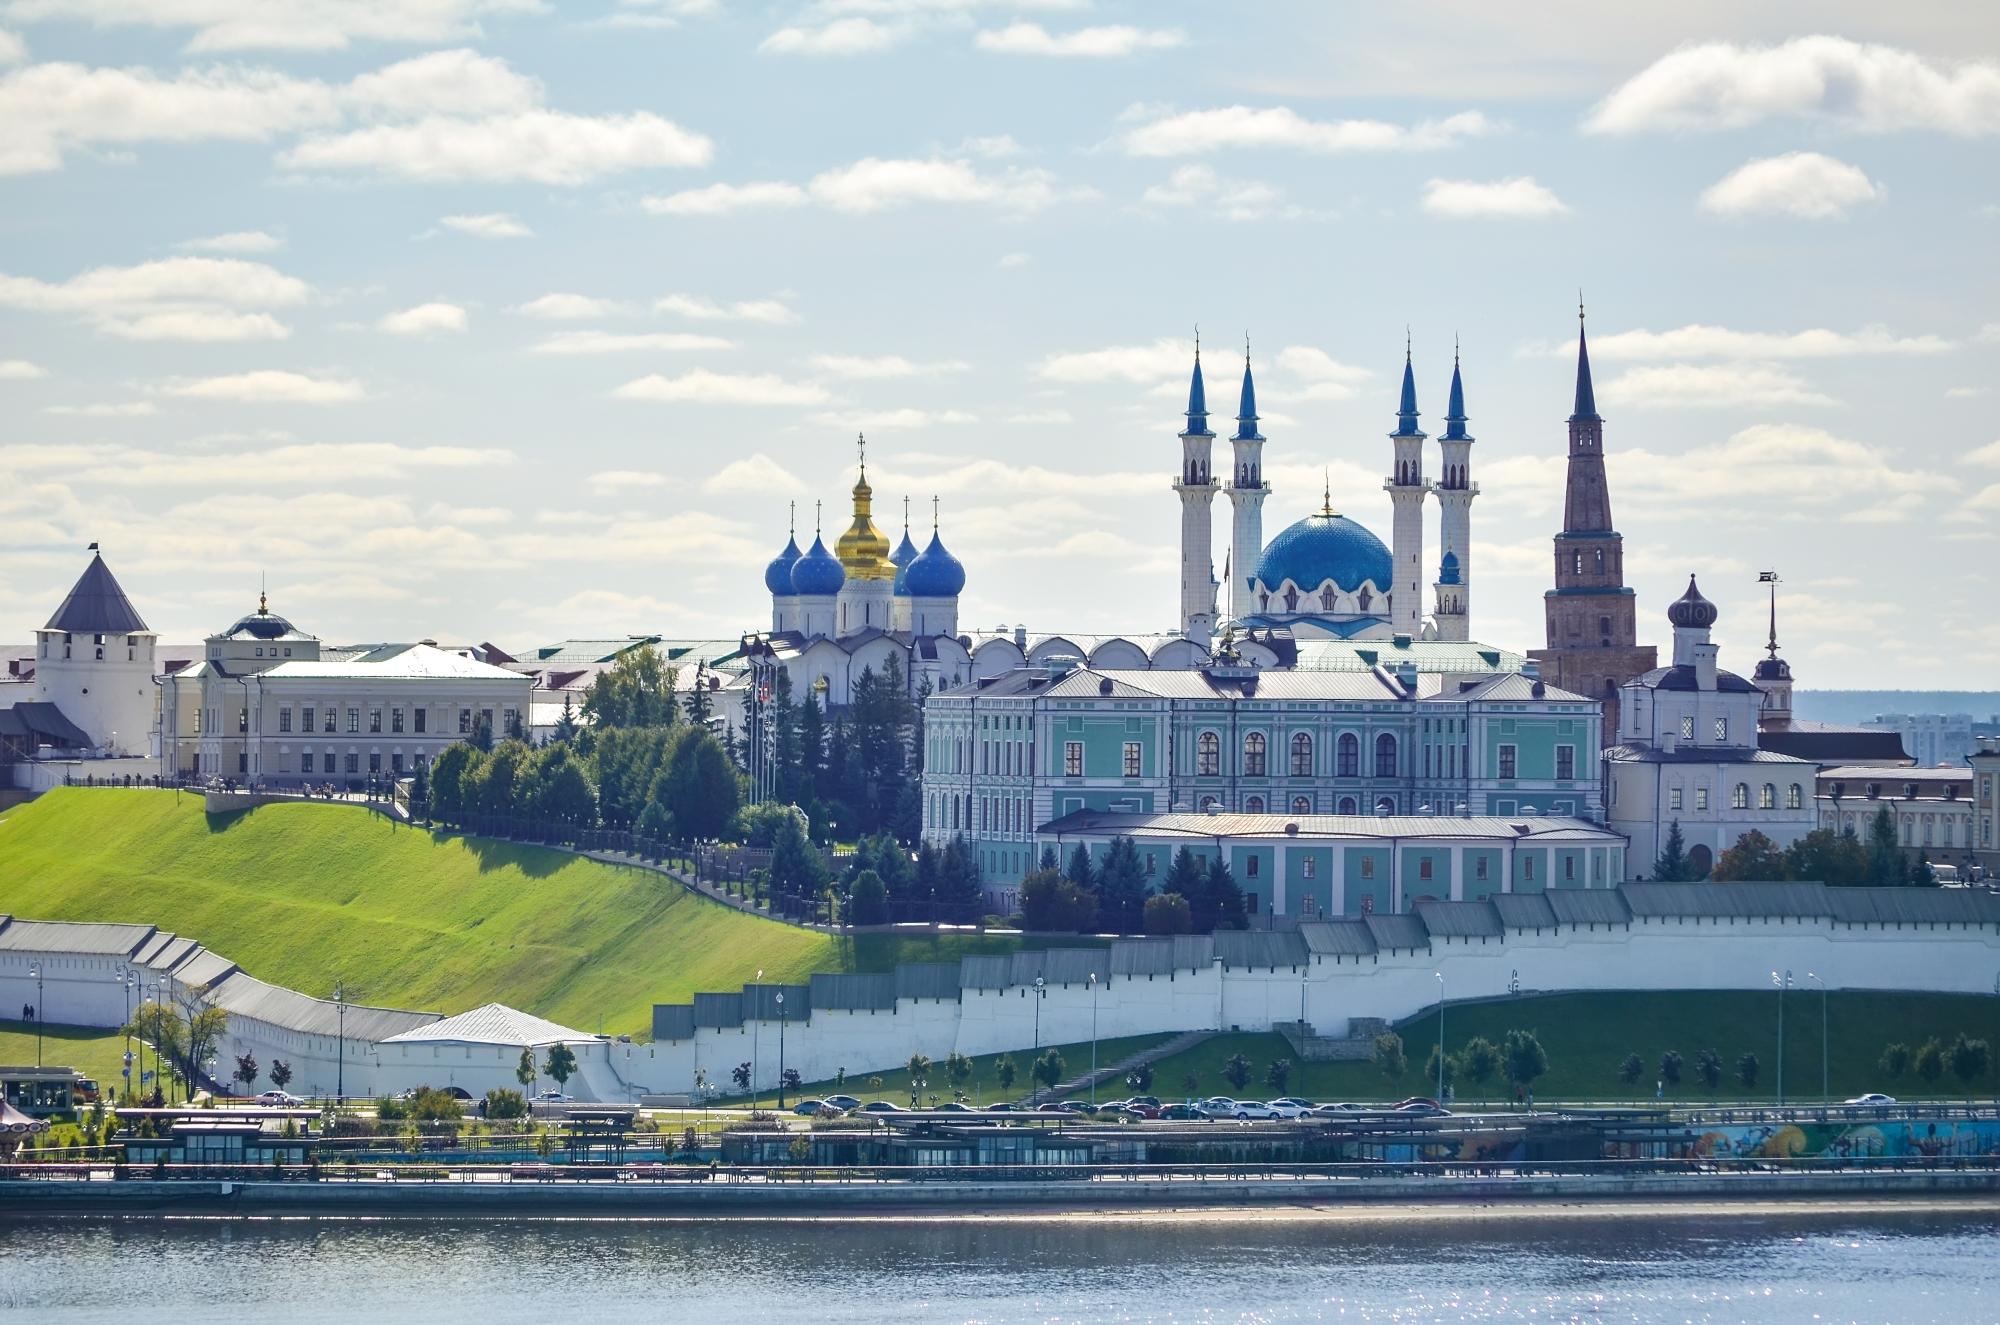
(1041, 992)
(756, 1036)
(35, 974)
(1092, 984)
(1440, 980)
(131, 979)
(340, 1043)
(781, 1051)
(1825, 1095)
(1782, 983)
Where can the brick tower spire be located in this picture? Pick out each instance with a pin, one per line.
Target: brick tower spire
(1592, 616)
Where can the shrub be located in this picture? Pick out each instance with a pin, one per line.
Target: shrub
(504, 1103)
(1895, 1060)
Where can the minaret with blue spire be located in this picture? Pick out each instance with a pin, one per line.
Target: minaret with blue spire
(1455, 490)
(1196, 486)
(1407, 489)
(1247, 491)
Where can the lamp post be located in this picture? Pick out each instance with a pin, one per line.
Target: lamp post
(1092, 983)
(756, 1036)
(1041, 992)
(781, 1051)
(1440, 980)
(1782, 983)
(340, 1042)
(1825, 1095)
(131, 979)
(35, 973)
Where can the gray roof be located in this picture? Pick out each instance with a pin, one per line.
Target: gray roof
(1345, 827)
(492, 1024)
(1918, 906)
(1744, 900)
(1261, 948)
(1459, 920)
(97, 606)
(984, 971)
(1588, 906)
(38, 722)
(673, 1021)
(1338, 938)
(242, 995)
(1523, 910)
(1074, 966)
(1162, 956)
(760, 1002)
(1642, 753)
(72, 938)
(1398, 932)
(926, 980)
(204, 968)
(718, 1010)
(873, 991)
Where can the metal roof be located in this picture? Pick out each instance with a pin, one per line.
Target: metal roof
(673, 1021)
(984, 972)
(1523, 910)
(718, 1010)
(243, 995)
(1075, 966)
(96, 605)
(1398, 932)
(1914, 906)
(1588, 906)
(1746, 900)
(1261, 948)
(1459, 920)
(760, 1002)
(873, 991)
(926, 980)
(493, 1024)
(72, 938)
(1354, 827)
(204, 968)
(1338, 938)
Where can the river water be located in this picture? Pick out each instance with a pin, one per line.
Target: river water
(1772, 1265)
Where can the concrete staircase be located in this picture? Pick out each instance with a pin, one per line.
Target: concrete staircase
(1116, 1071)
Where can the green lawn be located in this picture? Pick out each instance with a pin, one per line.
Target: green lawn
(98, 1054)
(303, 894)
(1587, 1036)
(984, 1086)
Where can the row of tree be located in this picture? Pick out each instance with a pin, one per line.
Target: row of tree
(1968, 1059)
(1838, 859)
(856, 771)
(1113, 896)
(1519, 1059)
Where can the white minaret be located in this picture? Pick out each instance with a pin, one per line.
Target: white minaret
(1197, 489)
(1407, 490)
(1247, 490)
(1455, 491)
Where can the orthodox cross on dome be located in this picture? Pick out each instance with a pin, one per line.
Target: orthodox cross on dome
(792, 520)
(816, 518)
(934, 513)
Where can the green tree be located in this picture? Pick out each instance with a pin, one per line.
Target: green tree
(1388, 1055)
(1278, 1076)
(560, 1064)
(1885, 855)
(635, 691)
(524, 1071)
(246, 1071)
(797, 867)
(1168, 913)
(490, 787)
(919, 1068)
(503, 1104)
(1754, 856)
(696, 703)
(1708, 1070)
(1048, 859)
(1236, 1072)
(957, 1070)
(1670, 1069)
(1140, 1079)
(1004, 1072)
(1895, 1060)
(1080, 870)
(1921, 873)
(1121, 888)
(280, 1073)
(700, 787)
(551, 786)
(1823, 856)
(1191, 1083)
(1968, 1058)
(1222, 899)
(1631, 1070)
(1929, 1061)
(1053, 904)
(868, 900)
(481, 738)
(1671, 865)
(565, 731)
(1746, 1072)
(420, 788)
(1049, 1069)
(447, 780)
(1437, 1060)
(1479, 1061)
(1523, 1059)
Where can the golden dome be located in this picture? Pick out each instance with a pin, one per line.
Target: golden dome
(864, 550)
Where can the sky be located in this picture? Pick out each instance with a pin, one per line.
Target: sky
(517, 321)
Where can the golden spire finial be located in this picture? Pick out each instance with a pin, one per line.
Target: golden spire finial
(262, 601)
(1326, 491)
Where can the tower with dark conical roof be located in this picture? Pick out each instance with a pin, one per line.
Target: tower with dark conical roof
(94, 662)
(1455, 490)
(1196, 486)
(1407, 489)
(1247, 491)
(1591, 615)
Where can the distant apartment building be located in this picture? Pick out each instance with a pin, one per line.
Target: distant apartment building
(1930, 738)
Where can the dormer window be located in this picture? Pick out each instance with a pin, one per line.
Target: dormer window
(1874, 790)
(1909, 791)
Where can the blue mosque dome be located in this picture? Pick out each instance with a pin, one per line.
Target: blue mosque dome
(778, 575)
(905, 553)
(1448, 572)
(934, 573)
(817, 572)
(1326, 547)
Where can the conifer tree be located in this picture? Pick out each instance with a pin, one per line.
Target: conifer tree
(1672, 864)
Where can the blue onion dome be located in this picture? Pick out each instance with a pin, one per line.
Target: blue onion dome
(1326, 547)
(905, 553)
(1691, 609)
(778, 575)
(1448, 572)
(935, 573)
(817, 573)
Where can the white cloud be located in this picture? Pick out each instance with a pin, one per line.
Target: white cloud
(1309, 363)
(860, 368)
(607, 342)
(194, 299)
(290, 25)
(105, 410)
(1519, 197)
(260, 465)
(703, 309)
(844, 36)
(12, 49)
(754, 475)
(1781, 471)
(612, 481)
(1158, 361)
(538, 146)
(488, 225)
(424, 319)
(1040, 416)
(1190, 133)
(701, 386)
(1698, 341)
(1963, 392)
(1988, 455)
(1100, 43)
(726, 199)
(866, 420)
(1988, 333)
(1012, 260)
(460, 82)
(1710, 386)
(1232, 199)
(872, 184)
(1803, 184)
(1869, 88)
(236, 241)
(20, 370)
(558, 306)
(270, 386)
(992, 146)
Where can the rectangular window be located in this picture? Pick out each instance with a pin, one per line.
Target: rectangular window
(509, 723)
(284, 720)
(374, 761)
(1565, 763)
(1673, 798)
(1309, 868)
(1687, 728)
(464, 721)
(197, 722)
(486, 716)
(242, 721)
(353, 720)
(417, 720)
(353, 763)
(1528, 868)
(1250, 869)
(396, 721)
(1569, 867)
(1507, 761)
(1479, 867)
(328, 725)
(1368, 867)
(1721, 731)
(1131, 759)
(1701, 798)
(306, 762)
(1250, 903)
(375, 721)
(1073, 759)
(1424, 868)
(305, 719)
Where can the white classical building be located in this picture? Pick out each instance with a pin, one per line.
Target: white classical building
(1686, 753)
(268, 703)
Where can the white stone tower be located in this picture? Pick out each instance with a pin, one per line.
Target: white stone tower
(1407, 489)
(1455, 491)
(1196, 485)
(1247, 490)
(94, 661)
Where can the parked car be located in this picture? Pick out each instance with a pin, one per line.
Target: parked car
(1287, 1107)
(1001, 1107)
(1239, 1110)
(278, 1099)
(1873, 1097)
(882, 1106)
(1339, 1110)
(1217, 1103)
(1423, 1109)
(1178, 1113)
(1143, 1102)
(845, 1103)
(956, 1107)
(1415, 1100)
(552, 1097)
(1054, 1106)
(1136, 1109)
(813, 1108)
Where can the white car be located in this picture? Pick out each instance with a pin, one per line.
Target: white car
(278, 1099)
(1241, 1110)
(1289, 1108)
(1873, 1097)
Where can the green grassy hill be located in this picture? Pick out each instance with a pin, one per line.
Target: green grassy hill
(304, 894)
(1587, 1036)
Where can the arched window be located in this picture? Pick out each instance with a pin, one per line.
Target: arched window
(1739, 798)
(1253, 805)
(1579, 563)
(1347, 805)
(1385, 756)
(954, 814)
(1207, 755)
(1347, 756)
(1209, 803)
(1263, 602)
(1253, 755)
(1600, 561)
(1302, 805)
(1767, 799)
(1302, 755)
(1385, 805)
(1291, 600)
(1326, 599)
(1366, 599)
(1795, 797)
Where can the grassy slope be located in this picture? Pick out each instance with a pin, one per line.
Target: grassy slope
(300, 894)
(1588, 1035)
(984, 1087)
(97, 1053)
